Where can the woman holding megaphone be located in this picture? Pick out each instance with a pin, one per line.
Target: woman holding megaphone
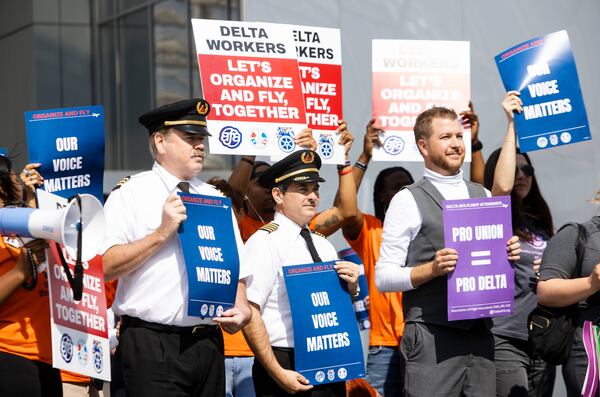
(25, 343)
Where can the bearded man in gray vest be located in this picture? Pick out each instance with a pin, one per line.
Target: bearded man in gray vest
(440, 357)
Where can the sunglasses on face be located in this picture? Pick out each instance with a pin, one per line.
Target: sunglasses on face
(526, 169)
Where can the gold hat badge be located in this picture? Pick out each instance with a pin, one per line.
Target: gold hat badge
(202, 108)
(307, 157)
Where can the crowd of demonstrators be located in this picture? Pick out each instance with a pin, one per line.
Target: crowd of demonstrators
(413, 349)
(294, 183)
(509, 172)
(439, 357)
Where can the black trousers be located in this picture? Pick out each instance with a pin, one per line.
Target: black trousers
(169, 364)
(265, 386)
(22, 377)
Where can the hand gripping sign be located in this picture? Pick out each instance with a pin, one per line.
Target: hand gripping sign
(327, 344)
(482, 284)
(69, 144)
(210, 252)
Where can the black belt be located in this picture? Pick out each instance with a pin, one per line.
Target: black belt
(128, 321)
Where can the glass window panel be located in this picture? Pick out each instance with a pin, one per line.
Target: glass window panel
(125, 5)
(148, 58)
(170, 51)
(108, 94)
(135, 95)
(106, 8)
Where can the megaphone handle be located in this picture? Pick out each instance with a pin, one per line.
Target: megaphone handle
(78, 279)
(72, 280)
(75, 280)
(34, 272)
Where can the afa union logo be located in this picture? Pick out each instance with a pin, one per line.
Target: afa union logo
(285, 139)
(230, 137)
(326, 146)
(259, 139)
(66, 348)
(393, 145)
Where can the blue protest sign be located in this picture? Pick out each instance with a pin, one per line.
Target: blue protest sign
(327, 344)
(360, 307)
(543, 70)
(3, 151)
(69, 144)
(210, 252)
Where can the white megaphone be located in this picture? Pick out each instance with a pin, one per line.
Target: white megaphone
(60, 225)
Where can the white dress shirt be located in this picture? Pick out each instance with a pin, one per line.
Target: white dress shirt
(401, 226)
(157, 291)
(266, 288)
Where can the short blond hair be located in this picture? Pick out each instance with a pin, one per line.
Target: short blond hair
(422, 128)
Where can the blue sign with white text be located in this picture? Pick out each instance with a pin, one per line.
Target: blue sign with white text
(327, 344)
(69, 145)
(210, 252)
(543, 70)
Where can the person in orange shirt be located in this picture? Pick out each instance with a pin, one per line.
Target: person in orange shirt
(363, 233)
(25, 344)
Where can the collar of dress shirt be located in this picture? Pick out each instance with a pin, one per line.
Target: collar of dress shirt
(171, 181)
(443, 179)
(286, 223)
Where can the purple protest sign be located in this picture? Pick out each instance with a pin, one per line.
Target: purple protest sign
(482, 284)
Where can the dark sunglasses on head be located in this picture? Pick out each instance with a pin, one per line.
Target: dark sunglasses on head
(526, 169)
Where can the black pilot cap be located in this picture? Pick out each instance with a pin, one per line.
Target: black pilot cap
(299, 167)
(188, 115)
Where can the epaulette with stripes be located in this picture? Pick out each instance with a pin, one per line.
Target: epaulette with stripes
(270, 227)
(318, 234)
(121, 183)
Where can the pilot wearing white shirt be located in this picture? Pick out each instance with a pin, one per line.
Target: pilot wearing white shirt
(284, 242)
(440, 357)
(165, 351)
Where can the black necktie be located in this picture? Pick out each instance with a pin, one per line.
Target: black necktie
(305, 233)
(184, 186)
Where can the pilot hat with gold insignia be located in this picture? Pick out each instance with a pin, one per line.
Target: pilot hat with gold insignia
(299, 167)
(188, 115)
